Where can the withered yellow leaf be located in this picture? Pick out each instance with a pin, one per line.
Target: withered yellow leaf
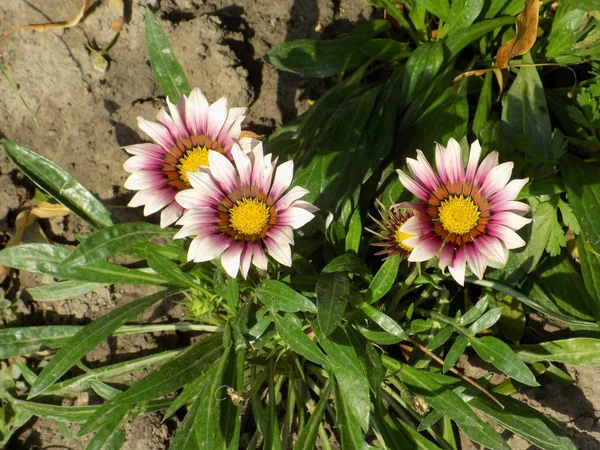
(526, 28)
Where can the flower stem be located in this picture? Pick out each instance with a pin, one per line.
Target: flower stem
(403, 289)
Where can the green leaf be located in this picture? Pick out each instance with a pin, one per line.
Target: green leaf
(227, 287)
(463, 13)
(486, 321)
(27, 340)
(354, 232)
(575, 351)
(89, 337)
(451, 405)
(185, 439)
(348, 263)
(567, 28)
(590, 269)
(176, 372)
(458, 40)
(46, 258)
(386, 49)
(292, 335)
(167, 70)
(440, 8)
(209, 432)
(347, 422)
(475, 312)
(484, 106)
(168, 269)
(112, 240)
(62, 290)
(525, 116)
(73, 414)
(352, 386)
(458, 348)
(383, 320)
(59, 184)
(110, 437)
(441, 337)
(384, 279)
(281, 297)
(308, 436)
(496, 352)
(583, 187)
(422, 66)
(312, 58)
(332, 292)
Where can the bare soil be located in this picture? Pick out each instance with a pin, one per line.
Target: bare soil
(81, 110)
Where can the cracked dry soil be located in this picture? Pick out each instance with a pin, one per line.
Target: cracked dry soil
(81, 112)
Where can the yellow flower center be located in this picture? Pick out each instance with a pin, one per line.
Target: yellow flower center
(249, 216)
(458, 215)
(399, 237)
(198, 156)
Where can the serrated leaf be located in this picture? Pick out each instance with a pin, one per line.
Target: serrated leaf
(332, 292)
(281, 297)
(496, 352)
(112, 240)
(59, 184)
(292, 335)
(568, 217)
(167, 70)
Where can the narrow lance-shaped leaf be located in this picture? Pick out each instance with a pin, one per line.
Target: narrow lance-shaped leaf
(332, 292)
(112, 240)
(384, 279)
(298, 341)
(308, 436)
(59, 184)
(167, 70)
(168, 269)
(89, 337)
(576, 351)
(62, 290)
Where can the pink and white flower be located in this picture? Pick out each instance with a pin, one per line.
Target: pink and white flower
(465, 216)
(238, 209)
(182, 142)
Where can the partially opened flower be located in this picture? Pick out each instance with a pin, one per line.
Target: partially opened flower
(238, 209)
(466, 216)
(392, 238)
(182, 142)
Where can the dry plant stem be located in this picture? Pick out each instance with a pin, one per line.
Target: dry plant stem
(133, 329)
(453, 370)
(51, 26)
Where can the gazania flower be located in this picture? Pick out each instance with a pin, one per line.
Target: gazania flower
(392, 238)
(465, 216)
(183, 139)
(238, 209)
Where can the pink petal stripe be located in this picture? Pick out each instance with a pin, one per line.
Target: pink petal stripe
(157, 132)
(199, 216)
(417, 207)
(282, 234)
(415, 240)
(232, 126)
(510, 191)
(426, 249)
(294, 217)
(412, 186)
(294, 194)
(474, 156)
(205, 248)
(446, 256)
(146, 149)
(508, 237)
(144, 179)
(492, 248)
(416, 225)
(422, 172)
(476, 260)
(497, 178)
(509, 219)
(203, 182)
(489, 162)
(259, 259)
(512, 206)
(453, 159)
(457, 268)
(136, 163)
(194, 198)
(230, 259)
(242, 164)
(196, 112)
(266, 173)
(282, 180)
(217, 115)
(178, 123)
(246, 259)
(281, 252)
(159, 200)
(222, 171)
(193, 230)
(141, 197)
(170, 214)
(166, 121)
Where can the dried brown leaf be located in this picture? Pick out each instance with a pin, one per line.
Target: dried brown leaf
(45, 210)
(526, 28)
